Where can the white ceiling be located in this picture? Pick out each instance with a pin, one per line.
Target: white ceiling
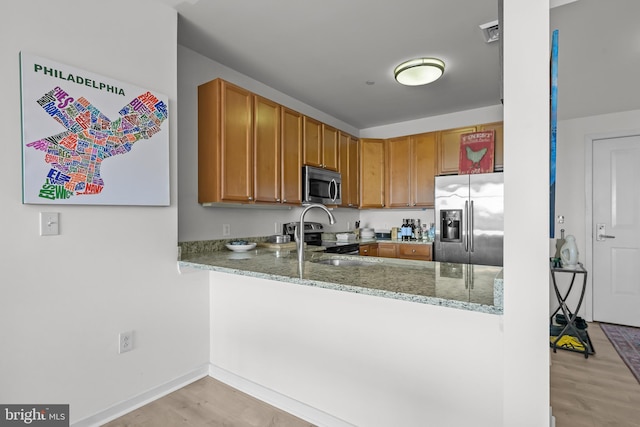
(323, 53)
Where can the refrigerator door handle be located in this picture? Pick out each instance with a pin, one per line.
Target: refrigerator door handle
(471, 225)
(466, 226)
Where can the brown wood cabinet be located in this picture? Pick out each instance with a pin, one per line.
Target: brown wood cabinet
(225, 143)
(330, 149)
(449, 149)
(372, 173)
(369, 249)
(387, 250)
(291, 137)
(266, 149)
(410, 170)
(419, 252)
(498, 155)
(249, 147)
(320, 144)
(349, 170)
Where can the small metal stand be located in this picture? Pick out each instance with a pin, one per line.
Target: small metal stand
(570, 329)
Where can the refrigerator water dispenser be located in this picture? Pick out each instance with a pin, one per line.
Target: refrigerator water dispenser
(451, 225)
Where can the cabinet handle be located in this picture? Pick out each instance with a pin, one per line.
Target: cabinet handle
(277, 199)
(250, 198)
(413, 250)
(284, 201)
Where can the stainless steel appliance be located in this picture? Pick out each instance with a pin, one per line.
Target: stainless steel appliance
(321, 186)
(313, 236)
(469, 219)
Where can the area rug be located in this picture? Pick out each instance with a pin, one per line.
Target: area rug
(626, 341)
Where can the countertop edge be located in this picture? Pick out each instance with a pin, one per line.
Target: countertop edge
(460, 305)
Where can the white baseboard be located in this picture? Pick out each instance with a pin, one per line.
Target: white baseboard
(142, 399)
(280, 401)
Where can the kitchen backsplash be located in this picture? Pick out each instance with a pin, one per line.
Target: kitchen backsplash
(384, 219)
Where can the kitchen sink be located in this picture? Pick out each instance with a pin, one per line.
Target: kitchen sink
(338, 262)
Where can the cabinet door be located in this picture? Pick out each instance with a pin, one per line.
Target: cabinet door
(354, 177)
(417, 252)
(387, 250)
(498, 152)
(370, 249)
(449, 149)
(330, 151)
(266, 148)
(348, 169)
(423, 169)
(236, 144)
(291, 156)
(371, 173)
(312, 142)
(398, 172)
(208, 142)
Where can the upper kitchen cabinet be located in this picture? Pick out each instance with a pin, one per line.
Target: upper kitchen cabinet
(423, 169)
(349, 169)
(320, 144)
(449, 149)
(498, 155)
(372, 176)
(225, 143)
(291, 135)
(266, 149)
(410, 171)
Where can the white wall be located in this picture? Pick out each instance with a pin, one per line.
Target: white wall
(367, 360)
(65, 298)
(526, 243)
(205, 223)
(571, 195)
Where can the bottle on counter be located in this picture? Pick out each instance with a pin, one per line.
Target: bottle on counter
(417, 231)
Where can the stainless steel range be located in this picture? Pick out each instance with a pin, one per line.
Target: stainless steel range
(313, 236)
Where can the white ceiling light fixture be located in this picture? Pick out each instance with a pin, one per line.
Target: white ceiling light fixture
(420, 71)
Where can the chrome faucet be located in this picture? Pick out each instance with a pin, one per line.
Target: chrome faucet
(299, 233)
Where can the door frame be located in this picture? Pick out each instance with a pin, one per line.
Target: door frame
(589, 141)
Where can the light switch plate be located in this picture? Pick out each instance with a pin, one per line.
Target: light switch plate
(49, 223)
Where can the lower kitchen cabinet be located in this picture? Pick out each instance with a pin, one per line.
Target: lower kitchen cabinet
(387, 250)
(370, 249)
(419, 252)
(415, 251)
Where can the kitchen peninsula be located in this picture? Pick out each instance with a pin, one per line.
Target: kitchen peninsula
(461, 286)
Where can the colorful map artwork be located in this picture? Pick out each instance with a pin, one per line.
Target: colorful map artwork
(76, 155)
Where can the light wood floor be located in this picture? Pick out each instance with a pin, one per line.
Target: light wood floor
(596, 392)
(208, 402)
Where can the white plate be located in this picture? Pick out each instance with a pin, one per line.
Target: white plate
(240, 248)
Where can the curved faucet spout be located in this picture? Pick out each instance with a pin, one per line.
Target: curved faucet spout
(299, 233)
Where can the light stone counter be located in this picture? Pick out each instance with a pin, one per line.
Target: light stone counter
(461, 286)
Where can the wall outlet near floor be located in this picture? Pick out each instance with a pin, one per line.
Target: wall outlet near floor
(226, 229)
(125, 341)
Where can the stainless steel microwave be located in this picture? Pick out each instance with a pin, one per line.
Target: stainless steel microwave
(321, 186)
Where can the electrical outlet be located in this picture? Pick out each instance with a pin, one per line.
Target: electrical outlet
(348, 225)
(226, 229)
(125, 341)
(277, 228)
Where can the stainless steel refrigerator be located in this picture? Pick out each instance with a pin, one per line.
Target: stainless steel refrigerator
(469, 218)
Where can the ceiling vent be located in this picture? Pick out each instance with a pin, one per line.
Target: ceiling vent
(491, 31)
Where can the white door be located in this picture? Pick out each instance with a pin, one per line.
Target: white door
(616, 230)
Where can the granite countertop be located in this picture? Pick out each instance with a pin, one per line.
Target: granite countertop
(461, 286)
